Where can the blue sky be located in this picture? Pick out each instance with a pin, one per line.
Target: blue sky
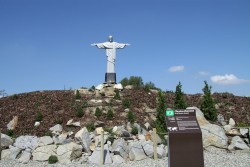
(45, 45)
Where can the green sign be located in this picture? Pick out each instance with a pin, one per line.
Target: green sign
(169, 113)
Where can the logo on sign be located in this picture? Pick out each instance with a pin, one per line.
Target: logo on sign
(170, 113)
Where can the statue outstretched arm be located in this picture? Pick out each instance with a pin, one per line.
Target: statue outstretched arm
(99, 45)
(121, 45)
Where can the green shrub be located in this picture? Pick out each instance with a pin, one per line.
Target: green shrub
(48, 133)
(85, 104)
(242, 124)
(90, 127)
(53, 159)
(98, 112)
(111, 139)
(131, 117)
(207, 104)
(10, 133)
(117, 95)
(126, 103)
(15, 96)
(78, 110)
(110, 114)
(134, 131)
(78, 95)
(39, 116)
(59, 121)
(148, 86)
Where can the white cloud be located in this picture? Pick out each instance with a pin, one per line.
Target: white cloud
(227, 79)
(176, 69)
(204, 73)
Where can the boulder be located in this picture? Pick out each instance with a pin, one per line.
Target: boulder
(43, 153)
(117, 159)
(56, 129)
(129, 87)
(221, 120)
(68, 152)
(99, 87)
(83, 137)
(11, 153)
(99, 130)
(94, 102)
(62, 139)
(118, 86)
(234, 132)
(95, 158)
(138, 127)
(5, 140)
(237, 143)
(119, 147)
(128, 127)
(212, 135)
(227, 128)
(25, 157)
(28, 143)
(98, 139)
(244, 132)
(231, 122)
(161, 151)
(45, 140)
(71, 123)
(13, 123)
(136, 152)
(148, 148)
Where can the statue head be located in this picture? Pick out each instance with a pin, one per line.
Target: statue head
(110, 38)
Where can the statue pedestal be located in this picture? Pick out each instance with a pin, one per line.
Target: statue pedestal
(110, 78)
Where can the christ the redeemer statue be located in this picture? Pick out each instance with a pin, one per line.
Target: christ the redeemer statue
(110, 47)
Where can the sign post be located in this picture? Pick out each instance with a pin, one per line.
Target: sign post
(185, 139)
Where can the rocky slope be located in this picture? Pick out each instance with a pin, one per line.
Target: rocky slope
(59, 107)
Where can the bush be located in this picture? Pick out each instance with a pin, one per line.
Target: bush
(179, 98)
(39, 116)
(126, 103)
(111, 139)
(78, 95)
(134, 131)
(78, 110)
(10, 133)
(98, 112)
(207, 104)
(90, 127)
(133, 80)
(53, 159)
(148, 86)
(124, 81)
(59, 121)
(110, 114)
(131, 117)
(117, 95)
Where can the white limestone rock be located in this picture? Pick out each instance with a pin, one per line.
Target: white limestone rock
(13, 123)
(136, 152)
(120, 147)
(83, 137)
(68, 152)
(148, 148)
(212, 135)
(5, 140)
(28, 143)
(118, 86)
(244, 132)
(238, 143)
(11, 153)
(45, 140)
(43, 153)
(117, 159)
(56, 128)
(25, 157)
(227, 128)
(231, 122)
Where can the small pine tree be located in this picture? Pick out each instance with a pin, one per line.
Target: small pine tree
(126, 103)
(160, 118)
(131, 117)
(39, 116)
(53, 159)
(207, 103)
(179, 98)
(78, 95)
(117, 95)
(98, 112)
(110, 114)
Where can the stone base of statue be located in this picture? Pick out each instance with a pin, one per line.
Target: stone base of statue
(110, 78)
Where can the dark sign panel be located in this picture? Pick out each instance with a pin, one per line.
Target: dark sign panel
(185, 139)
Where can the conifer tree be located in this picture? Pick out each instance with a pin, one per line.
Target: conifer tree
(179, 98)
(160, 118)
(207, 103)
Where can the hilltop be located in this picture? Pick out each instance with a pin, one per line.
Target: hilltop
(60, 106)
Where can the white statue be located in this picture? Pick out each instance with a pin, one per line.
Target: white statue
(110, 47)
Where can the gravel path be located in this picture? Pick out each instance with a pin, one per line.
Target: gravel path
(213, 158)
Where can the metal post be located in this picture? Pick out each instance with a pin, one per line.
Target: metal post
(155, 144)
(102, 147)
